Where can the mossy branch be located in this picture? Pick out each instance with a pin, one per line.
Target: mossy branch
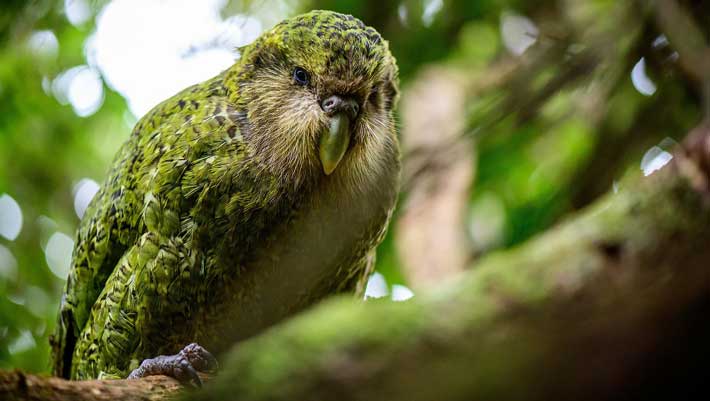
(579, 311)
(576, 312)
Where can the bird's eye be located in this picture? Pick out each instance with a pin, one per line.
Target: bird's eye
(300, 76)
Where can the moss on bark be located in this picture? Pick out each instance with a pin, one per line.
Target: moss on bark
(575, 311)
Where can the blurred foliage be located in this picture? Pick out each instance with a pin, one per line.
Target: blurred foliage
(549, 140)
(44, 150)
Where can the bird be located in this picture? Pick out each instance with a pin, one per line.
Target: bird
(235, 204)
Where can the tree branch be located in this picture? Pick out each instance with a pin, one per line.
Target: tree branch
(612, 302)
(18, 386)
(577, 313)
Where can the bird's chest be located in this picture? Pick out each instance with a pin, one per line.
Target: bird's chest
(304, 259)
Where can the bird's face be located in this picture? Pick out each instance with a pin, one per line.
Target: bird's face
(318, 91)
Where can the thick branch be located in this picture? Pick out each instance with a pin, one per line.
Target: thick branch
(593, 308)
(578, 312)
(608, 303)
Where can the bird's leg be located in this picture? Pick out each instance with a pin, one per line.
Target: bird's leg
(182, 366)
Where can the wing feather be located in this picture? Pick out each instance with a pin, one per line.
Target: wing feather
(152, 161)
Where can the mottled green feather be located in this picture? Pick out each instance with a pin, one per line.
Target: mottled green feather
(216, 221)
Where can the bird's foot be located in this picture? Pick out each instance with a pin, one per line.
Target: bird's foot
(182, 366)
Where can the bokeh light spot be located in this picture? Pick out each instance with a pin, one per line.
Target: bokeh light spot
(641, 81)
(84, 191)
(654, 159)
(37, 301)
(10, 217)
(58, 254)
(518, 32)
(77, 11)
(24, 342)
(8, 265)
(81, 87)
(401, 293)
(431, 9)
(402, 14)
(376, 286)
(44, 44)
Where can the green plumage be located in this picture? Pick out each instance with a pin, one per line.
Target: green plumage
(216, 219)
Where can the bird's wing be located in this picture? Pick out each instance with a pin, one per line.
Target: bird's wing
(148, 167)
(104, 234)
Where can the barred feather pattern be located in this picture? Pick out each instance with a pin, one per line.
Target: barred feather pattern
(215, 220)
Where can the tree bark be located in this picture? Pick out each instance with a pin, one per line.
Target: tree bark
(19, 386)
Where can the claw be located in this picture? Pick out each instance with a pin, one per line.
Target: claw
(185, 373)
(200, 358)
(182, 366)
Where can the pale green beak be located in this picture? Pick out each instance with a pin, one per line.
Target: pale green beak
(334, 143)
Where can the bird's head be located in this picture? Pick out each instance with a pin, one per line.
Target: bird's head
(318, 92)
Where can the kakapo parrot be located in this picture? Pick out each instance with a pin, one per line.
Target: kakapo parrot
(236, 203)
